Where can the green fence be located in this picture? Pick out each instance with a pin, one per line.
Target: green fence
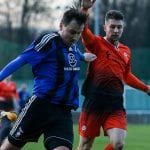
(135, 101)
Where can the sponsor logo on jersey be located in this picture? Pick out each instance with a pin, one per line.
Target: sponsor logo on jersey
(72, 62)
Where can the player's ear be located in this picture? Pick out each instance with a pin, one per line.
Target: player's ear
(61, 26)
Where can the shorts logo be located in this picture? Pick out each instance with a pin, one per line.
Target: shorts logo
(19, 132)
(84, 128)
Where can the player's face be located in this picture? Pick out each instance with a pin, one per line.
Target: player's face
(113, 29)
(71, 32)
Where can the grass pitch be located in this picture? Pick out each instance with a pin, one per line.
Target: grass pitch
(138, 138)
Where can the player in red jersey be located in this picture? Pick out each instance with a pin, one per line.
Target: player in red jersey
(104, 85)
(8, 98)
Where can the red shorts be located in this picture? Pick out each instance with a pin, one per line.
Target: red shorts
(90, 123)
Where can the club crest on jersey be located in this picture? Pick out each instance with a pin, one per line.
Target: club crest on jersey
(125, 54)
(72, 63)
(72, 60)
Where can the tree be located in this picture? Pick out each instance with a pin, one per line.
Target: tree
(20, 16)
(137, 20)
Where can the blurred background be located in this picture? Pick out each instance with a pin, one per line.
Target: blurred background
(21, 21)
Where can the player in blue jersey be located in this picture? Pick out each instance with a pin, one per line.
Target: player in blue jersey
(55, 61)
(23, 96)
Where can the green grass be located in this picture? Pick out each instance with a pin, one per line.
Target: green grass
(138, 138)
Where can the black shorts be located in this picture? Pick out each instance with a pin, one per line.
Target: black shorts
(40, 116)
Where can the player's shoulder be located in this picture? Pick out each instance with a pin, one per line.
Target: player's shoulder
(44, 41)
(99, 38)
(125, 47)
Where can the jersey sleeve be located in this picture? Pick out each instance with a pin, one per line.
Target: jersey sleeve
(88, 39)
(131, 80)
(40, 48)
(81, 55)
(12, 67)
(134, 82)
(31, 56)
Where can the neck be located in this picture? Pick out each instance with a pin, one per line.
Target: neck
(61, 36)
(113, 42)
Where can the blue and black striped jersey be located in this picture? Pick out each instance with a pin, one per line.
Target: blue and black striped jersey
(55, 67)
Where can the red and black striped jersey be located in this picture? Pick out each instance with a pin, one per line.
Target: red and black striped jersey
(111, 68)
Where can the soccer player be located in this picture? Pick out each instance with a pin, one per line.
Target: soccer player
(8, 97)
(6, 121)
(23, 96)
(103, 87)
(55, 61)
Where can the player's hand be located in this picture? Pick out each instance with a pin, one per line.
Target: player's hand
(89, 57)
(148, 91)
(86, 4)
(12, 116)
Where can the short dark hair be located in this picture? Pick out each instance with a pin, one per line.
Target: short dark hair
(114, 14)
(74, 14)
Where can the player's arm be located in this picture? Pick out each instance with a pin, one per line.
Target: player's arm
(88, 37)
(134, 82)
(29, 55)
(87, 56)
(12, 67)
